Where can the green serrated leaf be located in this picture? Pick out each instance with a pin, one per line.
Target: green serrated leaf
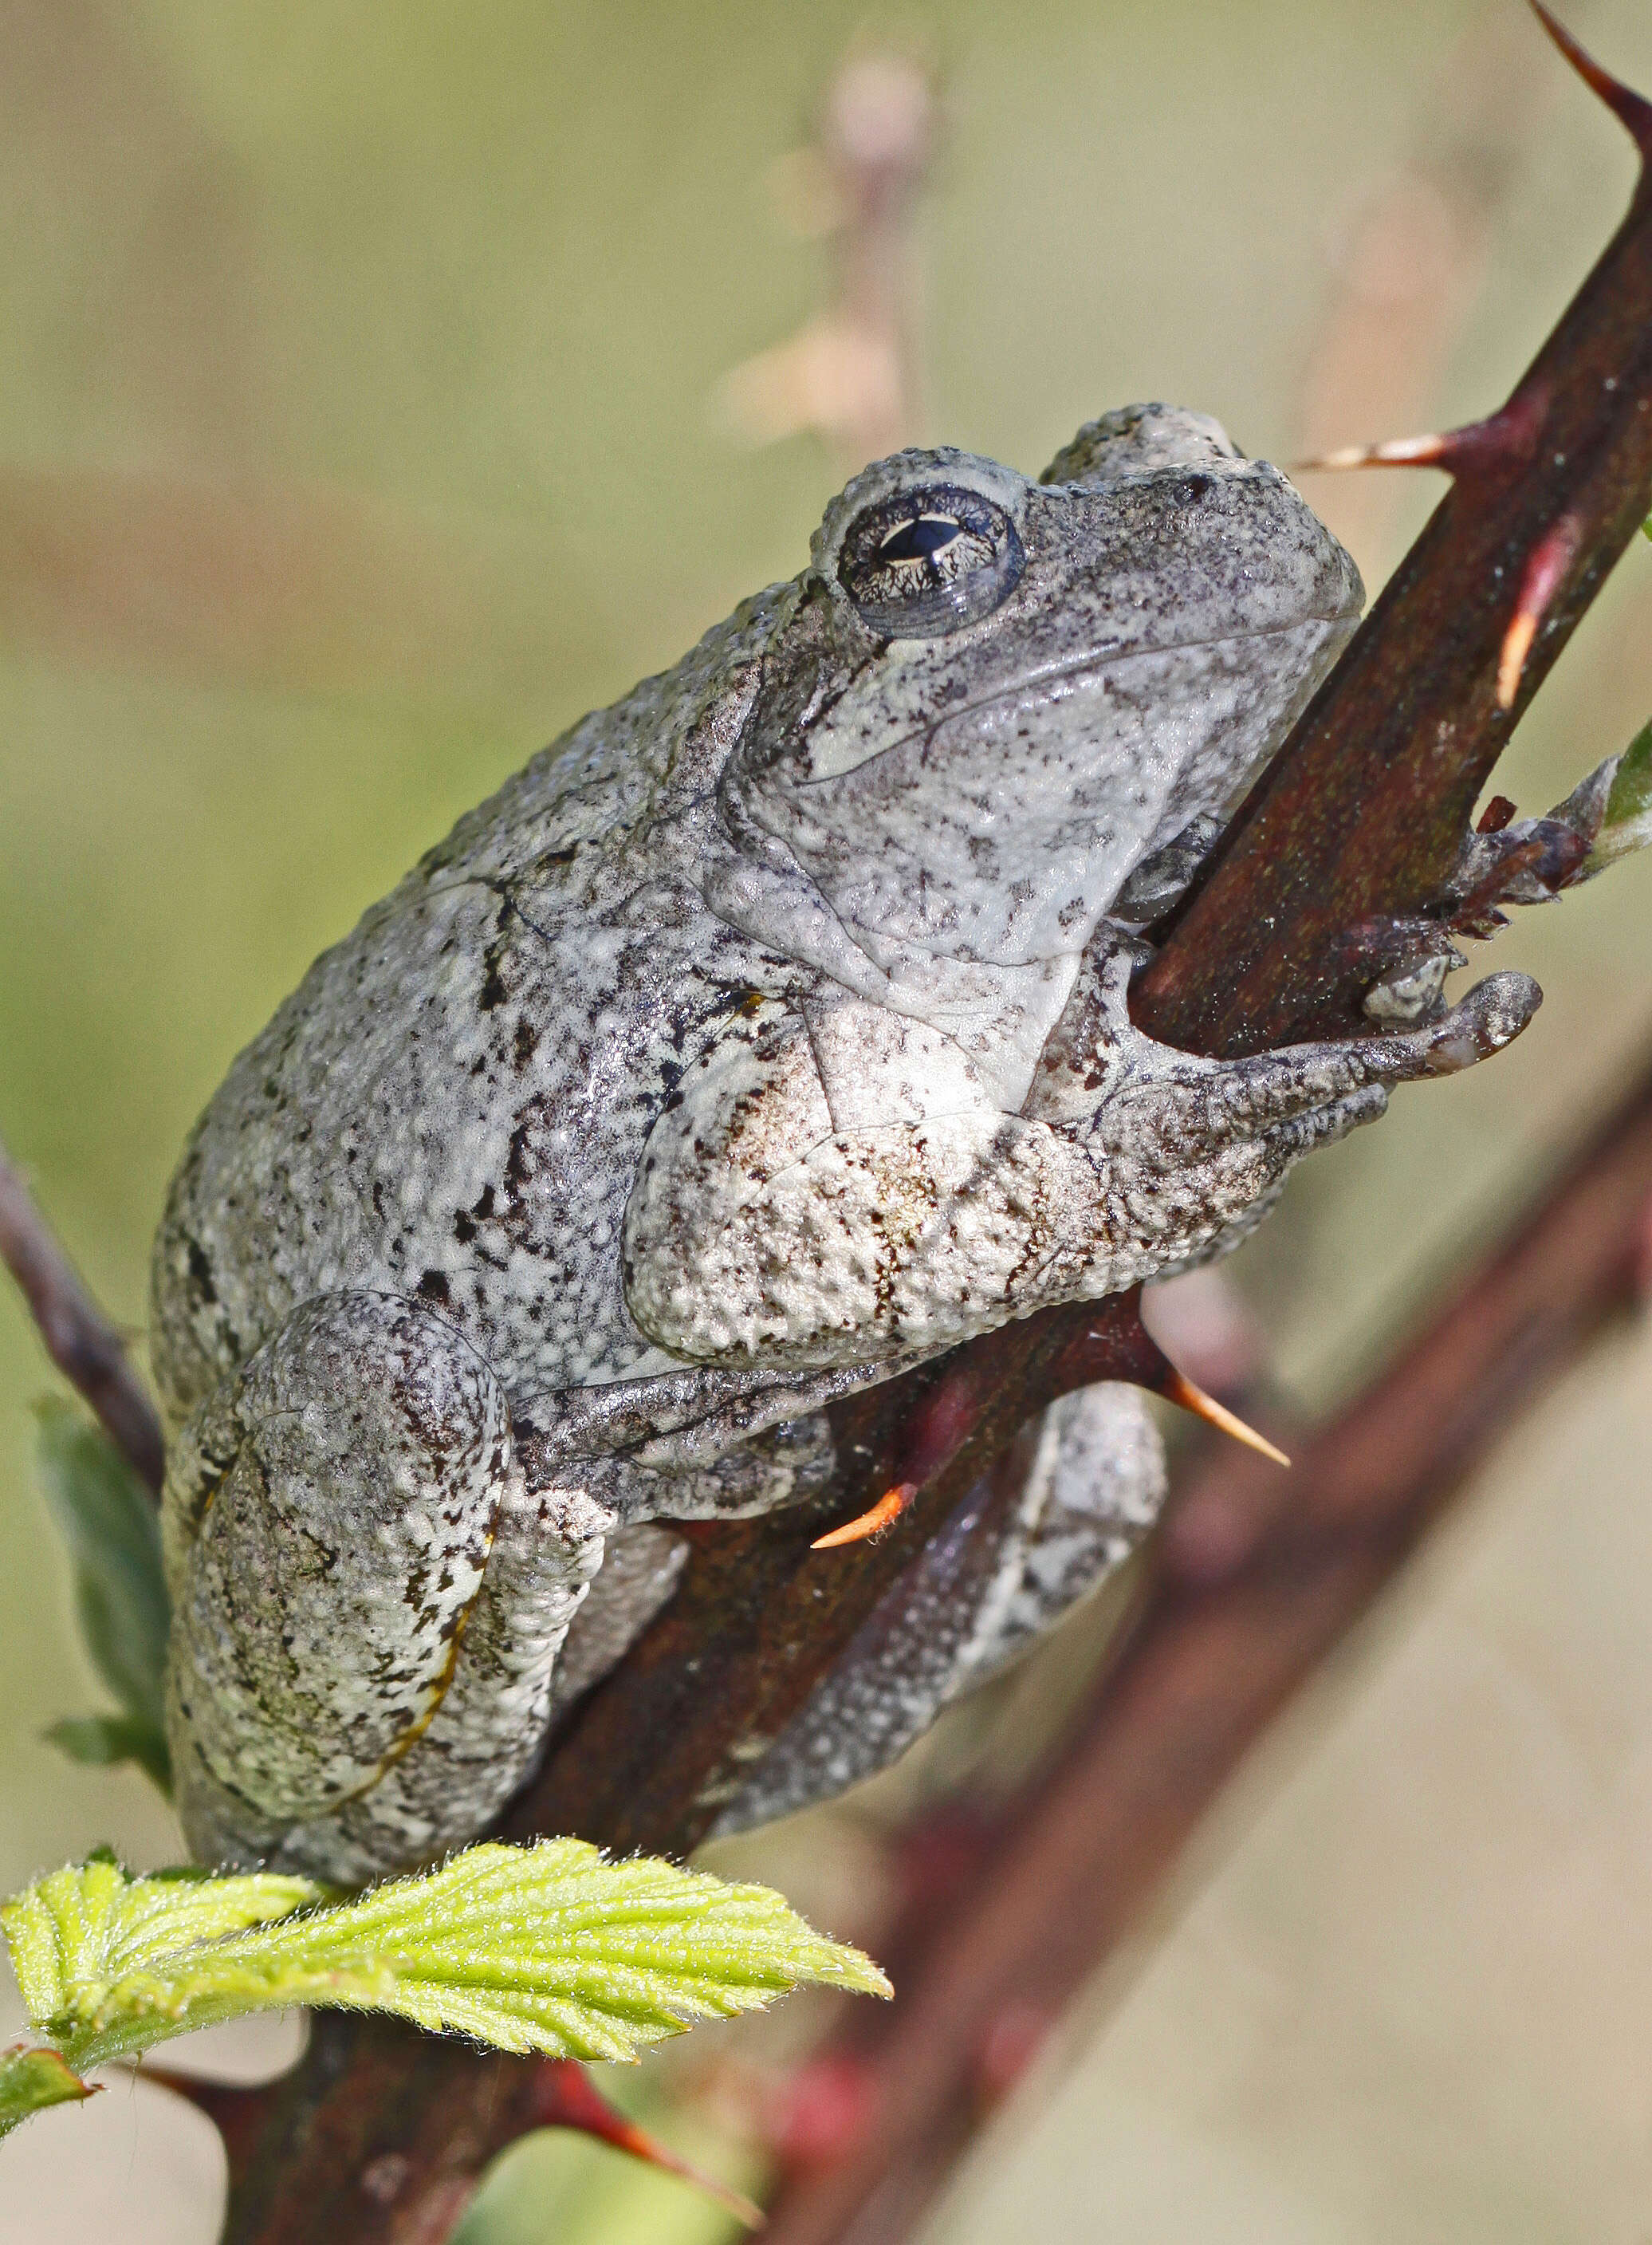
(31, 2079)
(544, 1949)
(104, 1741)
(106, 1520)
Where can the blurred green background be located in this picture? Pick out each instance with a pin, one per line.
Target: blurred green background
(360, 430)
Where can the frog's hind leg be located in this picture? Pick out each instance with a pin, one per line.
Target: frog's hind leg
(367, 1599)
(977, 1595)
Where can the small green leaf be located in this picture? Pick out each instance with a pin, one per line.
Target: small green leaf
(106, 1519)
(1627, 824)
(31, 2079)
(103, 1741)
(544, 1949)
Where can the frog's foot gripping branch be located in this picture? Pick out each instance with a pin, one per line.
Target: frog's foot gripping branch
(1289, 1101)
(1505, 861)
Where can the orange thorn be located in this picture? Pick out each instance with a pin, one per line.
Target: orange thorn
(1551, 558)
(1178, 1388)
(1503, 439)
(1397, 452)
(1632, 110)
(1517, 645)
(888, 1509)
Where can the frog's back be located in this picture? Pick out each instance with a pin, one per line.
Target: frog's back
(452, 1104)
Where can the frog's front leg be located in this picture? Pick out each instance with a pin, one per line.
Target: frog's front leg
(1187, 1137)
(367, 1598)
(785, 1213)
(775, 1219)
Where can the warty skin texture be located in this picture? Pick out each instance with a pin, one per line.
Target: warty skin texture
(764, 1036)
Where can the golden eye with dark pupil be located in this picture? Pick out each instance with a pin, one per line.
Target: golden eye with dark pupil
(919, 540)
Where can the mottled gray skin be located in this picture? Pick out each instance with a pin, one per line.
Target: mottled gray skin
(765, 1035)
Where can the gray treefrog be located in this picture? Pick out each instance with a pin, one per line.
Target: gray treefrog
(764, 1036)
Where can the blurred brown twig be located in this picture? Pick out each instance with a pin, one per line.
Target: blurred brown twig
(852, 373)
(79, 1340)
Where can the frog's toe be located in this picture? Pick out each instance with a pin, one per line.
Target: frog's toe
(1300, 1095)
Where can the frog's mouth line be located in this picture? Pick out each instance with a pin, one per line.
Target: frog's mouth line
(1075, 667)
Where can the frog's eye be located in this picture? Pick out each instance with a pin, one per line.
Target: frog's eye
(928, 561)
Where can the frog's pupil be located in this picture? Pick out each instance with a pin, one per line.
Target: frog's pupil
(917, 540)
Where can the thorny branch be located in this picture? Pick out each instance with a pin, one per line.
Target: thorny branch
(1253, 1580)
(1340, 868)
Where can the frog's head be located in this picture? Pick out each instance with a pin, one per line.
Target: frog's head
(987, 700)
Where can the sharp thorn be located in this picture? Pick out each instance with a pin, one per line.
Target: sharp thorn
(1632, 110)
(1545, 572)
(887, 1510)
(642, 2146)
(1179, 1389)
(1517, 645)
(1505, 438)
(1139, 1359)
(939, 1429)
(567, 2098)
(1397, 452)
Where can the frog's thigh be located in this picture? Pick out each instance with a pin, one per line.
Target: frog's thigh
(484, 1738)
(515, 1673)
(343, 1491)
(972, 1601)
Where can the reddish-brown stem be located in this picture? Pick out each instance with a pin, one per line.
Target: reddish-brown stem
(1253, 1582)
